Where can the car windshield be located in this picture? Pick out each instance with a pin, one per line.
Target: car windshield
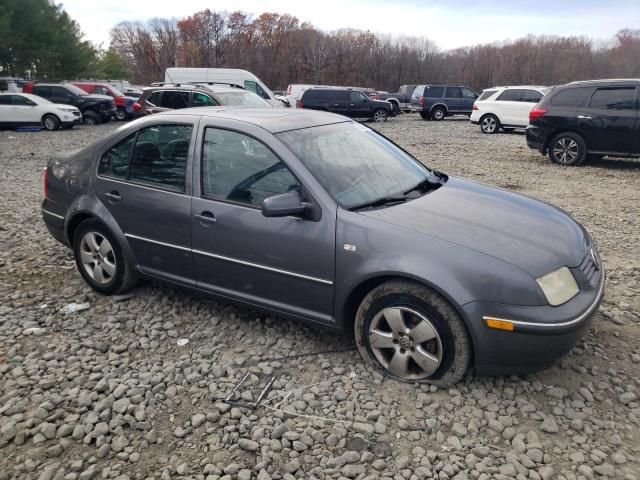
(355, 164)
(76, 90)
(241, 99)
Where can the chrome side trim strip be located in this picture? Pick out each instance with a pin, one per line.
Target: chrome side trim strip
(264, 267)
(569, 323)
(52, 214)
(148, 240)
(233, 260)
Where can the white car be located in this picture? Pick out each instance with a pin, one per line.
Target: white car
(25, 109)
(506, 108)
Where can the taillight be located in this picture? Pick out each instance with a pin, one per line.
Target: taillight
(422, 101)
(536, 114)
(45, 180)
(475, 107)
(136, 107)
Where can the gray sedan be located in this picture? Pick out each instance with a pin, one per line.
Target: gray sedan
(313, 217)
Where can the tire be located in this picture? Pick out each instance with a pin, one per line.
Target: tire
(121, 114)
(489, 124)
(90, 118)
(51, 122)
(425, 115)
(567, 149)
(380, 115)
(446, 356)
(102, 265)
(438, 113)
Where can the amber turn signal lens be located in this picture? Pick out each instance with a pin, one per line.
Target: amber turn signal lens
(500, 324)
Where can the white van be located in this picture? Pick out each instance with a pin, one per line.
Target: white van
(223, 75)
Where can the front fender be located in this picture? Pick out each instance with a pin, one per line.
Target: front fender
(459, 274)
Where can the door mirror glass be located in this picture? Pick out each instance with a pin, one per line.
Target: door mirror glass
(283, 205)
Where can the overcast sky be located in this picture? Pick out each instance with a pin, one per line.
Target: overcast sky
(450, 23)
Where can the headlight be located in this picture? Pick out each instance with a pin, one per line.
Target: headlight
(558, 286)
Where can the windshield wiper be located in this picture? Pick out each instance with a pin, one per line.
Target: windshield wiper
(428, 183)
(378, 202)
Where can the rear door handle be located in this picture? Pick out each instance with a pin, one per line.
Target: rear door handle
(205, 218)
(113, 196)
(584, 117)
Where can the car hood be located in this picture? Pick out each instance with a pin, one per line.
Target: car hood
(531, 235)
(64, 106)
(96, 96)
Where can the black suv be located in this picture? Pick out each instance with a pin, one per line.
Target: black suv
(346, 101)
(439, 101)
(587, 119)
(95, 108)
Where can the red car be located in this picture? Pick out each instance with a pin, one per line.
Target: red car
(124, 104)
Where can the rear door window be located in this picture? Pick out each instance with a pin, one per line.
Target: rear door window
(115, 161)
(175, 99)
(155, 98)
(486, 94)
(571, 97)
(42, 91)
(5, 99)
(202, 100)
(434, 92)
(512, 95)
(614, 99)
(454, 92)
(531, 96)
(340, 96)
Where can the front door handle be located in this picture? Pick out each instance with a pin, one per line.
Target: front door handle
(584, 117)
(113, 196)
(205, 218)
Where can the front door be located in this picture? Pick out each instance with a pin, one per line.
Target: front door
(284, 263)
(142, 182)
(24, 110)
(610, 121)
(359, 105)
(468, 99)
(509, 106)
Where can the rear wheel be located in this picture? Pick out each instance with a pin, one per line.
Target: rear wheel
(489, 124)
(412, 334)
(380, 115)
(51, 122)
(100, 260)
(438, 113)
(121, 114)
(568, 149)
(91, 118)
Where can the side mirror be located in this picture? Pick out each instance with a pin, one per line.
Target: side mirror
(283, 205)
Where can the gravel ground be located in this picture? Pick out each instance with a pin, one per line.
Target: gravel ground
(108, 393)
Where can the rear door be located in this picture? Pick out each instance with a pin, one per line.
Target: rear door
(453, 99)
(61, 95)
(609, 122)
(141, 180)
(6, 111)
(285, 263)
(509, 106)
(42, 91)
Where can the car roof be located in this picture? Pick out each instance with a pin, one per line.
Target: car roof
(615, 81)
(274, 120)
(507, 87)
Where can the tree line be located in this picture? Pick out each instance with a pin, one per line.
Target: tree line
(38, 36)
(38, 39)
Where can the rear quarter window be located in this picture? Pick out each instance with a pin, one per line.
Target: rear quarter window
(486, 94)
(571, 97)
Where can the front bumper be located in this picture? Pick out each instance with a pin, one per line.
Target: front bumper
(541, 336)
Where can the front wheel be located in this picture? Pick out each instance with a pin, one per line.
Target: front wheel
(438, 113)
(380, 115)
(489, 124)
(100, 260)
(51, 122)
(568, 149)
(410, 333)
(91, 118)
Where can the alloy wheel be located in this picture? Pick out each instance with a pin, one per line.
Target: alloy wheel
(121, 114)
(438, 114)
(566, 150)
(405, 343)
(98, 258)
(489, 124)
(49, 123)
(379, 116)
